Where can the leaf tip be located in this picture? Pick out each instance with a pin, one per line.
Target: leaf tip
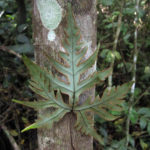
(32, 126)
(16, 101)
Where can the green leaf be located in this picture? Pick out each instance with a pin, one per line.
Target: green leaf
(26, 48)
(110, 56)
(13, 133)
(144, 111)
(41, 84)
(22, 27)
(72, 65)
(110, 101)
(107, 2)
(22, 38)
(93, 79)
(112, 97)
(119, 145)
(104, 53)
(132, 141)
(47, 120)
(117, 55)
(137, 92)
(84, 124)
(148, 127)
(129, 11)
(143, 144)
(147, 70)
(37, 104)
(134, 116)
(143, 122)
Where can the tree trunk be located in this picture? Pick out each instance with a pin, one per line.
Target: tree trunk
(21, 14)
(63, 136)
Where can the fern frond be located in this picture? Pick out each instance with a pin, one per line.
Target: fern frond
(47, 120)
(37, 105)
(110, 101)
(41, 84)
(84, 124)
(72, 66)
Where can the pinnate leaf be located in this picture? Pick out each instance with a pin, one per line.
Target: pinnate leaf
(72, 64)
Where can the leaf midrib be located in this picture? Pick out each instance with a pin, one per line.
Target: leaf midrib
(72, 61)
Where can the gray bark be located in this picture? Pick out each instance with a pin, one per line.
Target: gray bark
(63, 136)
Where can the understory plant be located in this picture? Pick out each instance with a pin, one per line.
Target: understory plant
(51, 86)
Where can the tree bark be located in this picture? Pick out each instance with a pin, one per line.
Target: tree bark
(63, 136)
(21, 14)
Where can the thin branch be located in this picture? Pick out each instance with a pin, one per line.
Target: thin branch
(5, 114)
(115, 45)
(144, 93)
(5, 49)
(11, 139)
(131, 101)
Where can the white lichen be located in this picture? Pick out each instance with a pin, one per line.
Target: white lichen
(51, 15)
(51, 35)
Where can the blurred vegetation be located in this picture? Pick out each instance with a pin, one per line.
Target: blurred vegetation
(16, 39)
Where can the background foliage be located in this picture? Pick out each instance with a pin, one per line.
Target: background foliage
(16, 39)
